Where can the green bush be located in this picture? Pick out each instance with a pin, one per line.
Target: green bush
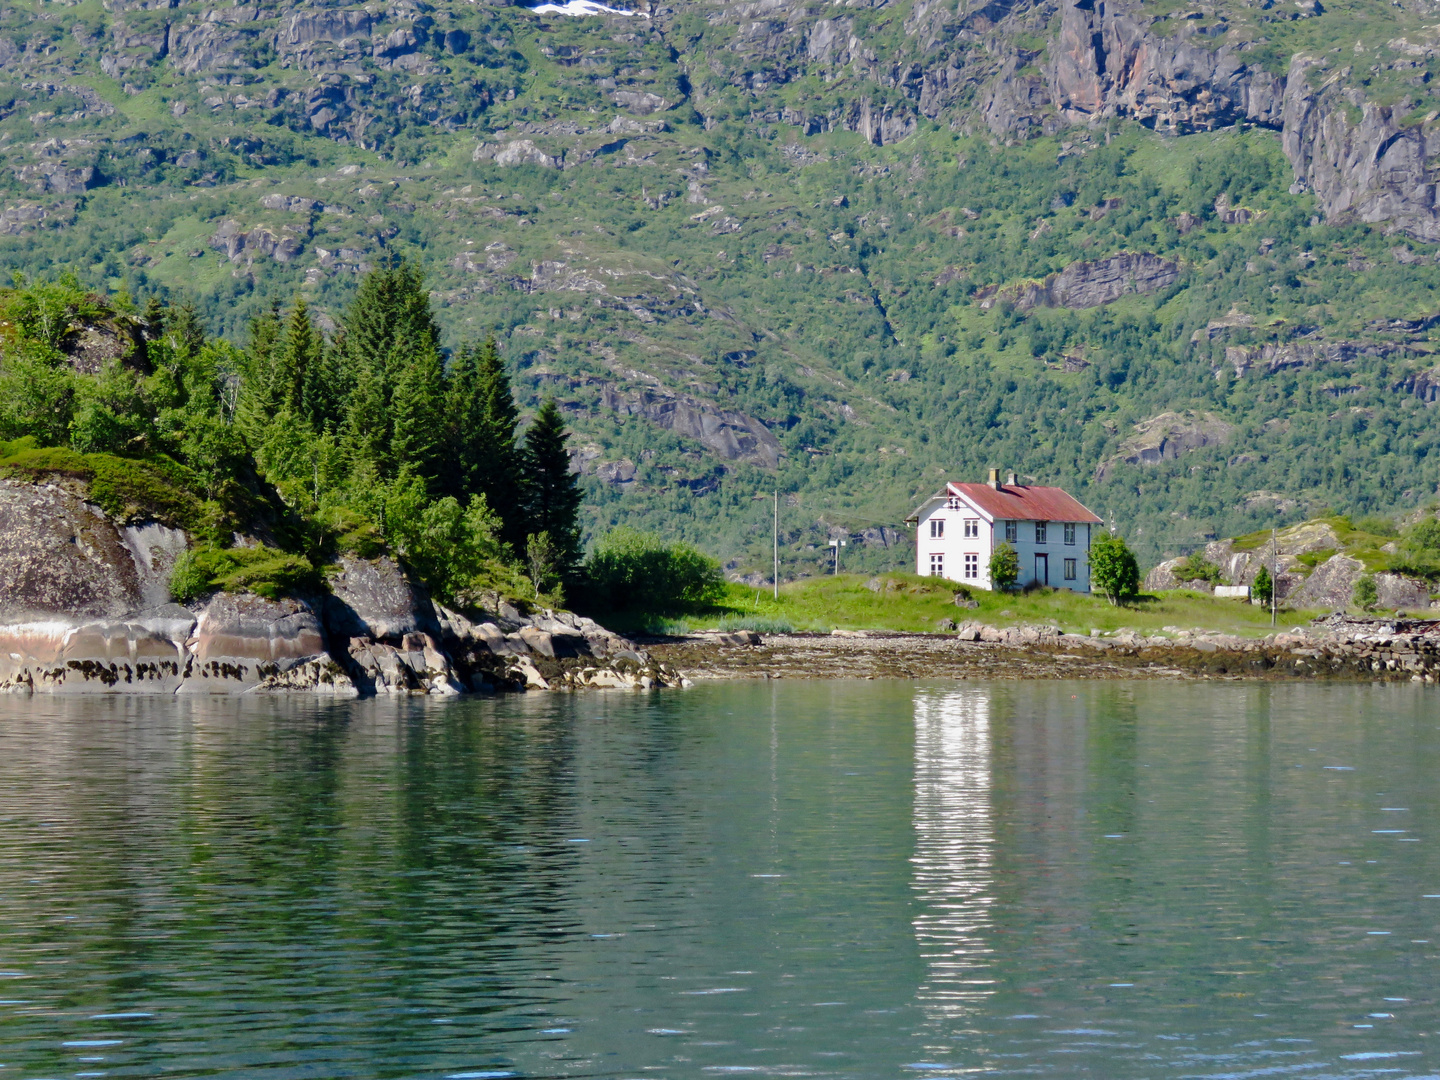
(1366, 594)
(1113, 568)
(633, 570)
(1004, 568)
(263, 571)
(1263, 587)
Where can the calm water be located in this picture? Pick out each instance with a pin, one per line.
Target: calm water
(824, 879)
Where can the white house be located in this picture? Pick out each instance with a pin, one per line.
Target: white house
(959, 528)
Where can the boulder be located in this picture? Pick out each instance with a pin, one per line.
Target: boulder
(1395, 592)
(374, 598)
(1331, 586)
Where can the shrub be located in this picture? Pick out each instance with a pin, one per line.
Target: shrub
(1198, 568)
(1113, 568)
(1366, 595)
(263, 571)
(638, 571)
(1262, 588)
(1004, 568)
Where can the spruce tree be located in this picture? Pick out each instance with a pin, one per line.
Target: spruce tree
(482, 458)
(390, 305)
(260, 400)
(365, 435)
(417, 409)
(552, 495)
(297, 354)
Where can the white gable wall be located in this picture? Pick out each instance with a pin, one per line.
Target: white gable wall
(953, 545)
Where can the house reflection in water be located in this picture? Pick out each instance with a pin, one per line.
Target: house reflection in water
(953, 874)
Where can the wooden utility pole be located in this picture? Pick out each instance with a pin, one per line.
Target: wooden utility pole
(775, 579)
(1274, 572)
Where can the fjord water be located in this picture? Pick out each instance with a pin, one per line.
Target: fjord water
(803, 879)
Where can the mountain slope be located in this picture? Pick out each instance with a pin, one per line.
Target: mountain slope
(1173, 257)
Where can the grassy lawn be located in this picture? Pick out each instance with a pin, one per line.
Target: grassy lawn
(907, 602)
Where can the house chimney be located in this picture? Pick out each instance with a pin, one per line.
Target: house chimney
(995, 479)
(1011, 482)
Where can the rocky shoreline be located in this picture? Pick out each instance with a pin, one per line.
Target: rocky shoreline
(1336, 647)
(85, 608)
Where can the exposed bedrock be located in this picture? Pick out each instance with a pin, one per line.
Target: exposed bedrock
(1106, 63)
(84, 608)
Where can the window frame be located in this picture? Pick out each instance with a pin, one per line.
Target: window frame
(937, 528)
(937, 564)
(972, 528)
(1012, 532)
(1041, 532)
(972, 566)
(1071, 570)
(1070, 534)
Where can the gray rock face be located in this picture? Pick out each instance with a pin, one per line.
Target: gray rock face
(1108, 63)
(60, 554)
(1166, 437)
(373, 598)
(1084, 285)
(729, 434)
(1332, 585)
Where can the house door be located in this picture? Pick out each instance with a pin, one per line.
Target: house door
(1042, 569)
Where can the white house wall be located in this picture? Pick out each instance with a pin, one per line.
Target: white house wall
(954, 546)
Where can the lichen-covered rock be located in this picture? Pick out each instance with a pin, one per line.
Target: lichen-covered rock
(62, 556)
(1091, 284)
(1331, 586)
(374, 598)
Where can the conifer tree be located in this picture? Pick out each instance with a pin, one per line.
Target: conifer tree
(417, 409)
(552, 495)
(482, 458)
(259, 398)
(293, 360)
(365, 435)
(391, 305)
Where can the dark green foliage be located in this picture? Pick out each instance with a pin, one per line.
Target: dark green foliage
(1262, 589)
(481, 455)
(1366, 594)
(552, 496)
(1004, 567)
(1113, 569)
(631, 570)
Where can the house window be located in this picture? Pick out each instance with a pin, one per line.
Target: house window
(1039, 532)
(1070, 533)
(937, 528)
(1069, 569)
(1012, 532)
(972, 527)
(972, 565)
(952, 503)
(937, 564)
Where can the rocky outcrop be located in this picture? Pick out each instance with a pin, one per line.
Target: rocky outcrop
(1084, 285)
(1106, 62)
(238, 243)
(1166, 437)
(727, 433)
(84, 608)
(60, 554)
(1423, 384)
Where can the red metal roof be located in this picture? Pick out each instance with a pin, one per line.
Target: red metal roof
(1021, 502)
